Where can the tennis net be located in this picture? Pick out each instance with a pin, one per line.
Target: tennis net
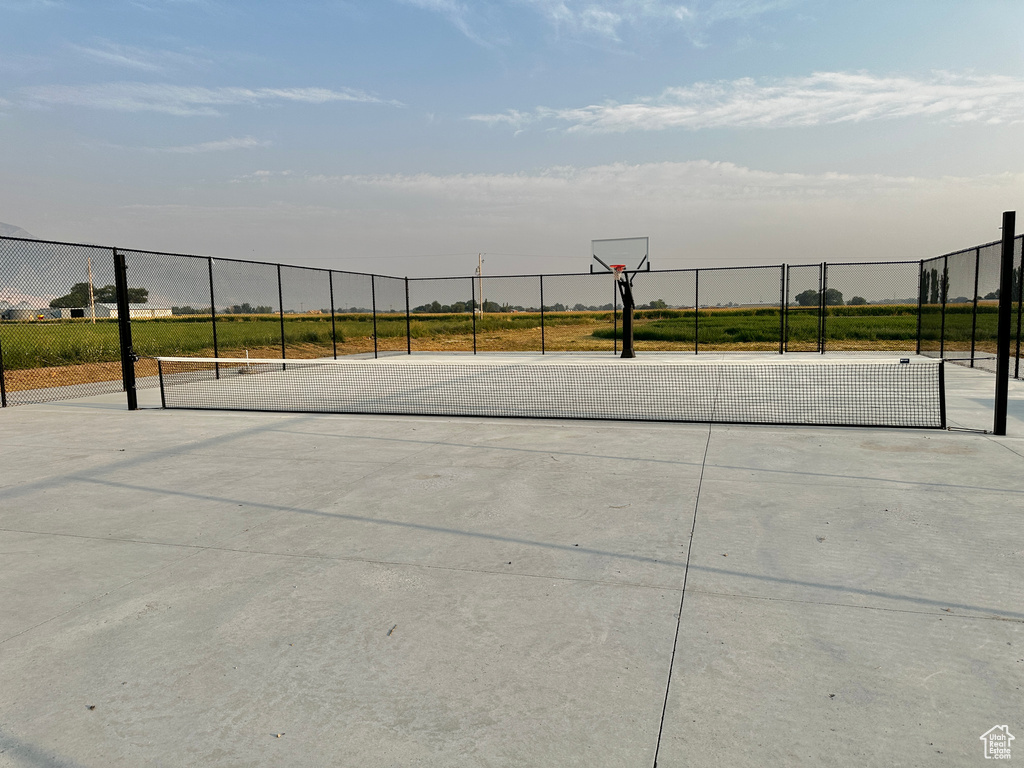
(854, 392)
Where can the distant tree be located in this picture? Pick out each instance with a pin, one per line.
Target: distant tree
(78, 296)
(579, 308)
(857, 301)
(247, 309)
(808, 298)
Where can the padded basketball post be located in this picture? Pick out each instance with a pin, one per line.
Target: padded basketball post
(626, 291)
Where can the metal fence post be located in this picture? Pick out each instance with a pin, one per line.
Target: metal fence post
(472, 306)
(334, 330)
(1003, 334)
(213, 317)
(124, 328)
(373, 305)
(943, 290)
(696, 311)
(408, 321)
(974, 309)
(542, 348)
(920, 302)
(824, 303)
(782, 309)
(280, 307)
(1020, 308)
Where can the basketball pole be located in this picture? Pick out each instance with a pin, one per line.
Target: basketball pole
(626, 291)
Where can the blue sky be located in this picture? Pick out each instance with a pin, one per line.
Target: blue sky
(405, 136)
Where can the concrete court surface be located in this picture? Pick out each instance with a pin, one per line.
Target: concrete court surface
(254, 589)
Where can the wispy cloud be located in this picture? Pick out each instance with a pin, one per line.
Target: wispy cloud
(604, 19)
(821, 99)
(458, 14)
(132, 57)
(648, 183)
(224, 145)
(182, 100)
(31, 5)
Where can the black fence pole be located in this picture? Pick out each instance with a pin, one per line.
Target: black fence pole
(373, 305)
(334, 330)
(782, 309)
(789, 279)
(408, 321)
(824, 305)
(543, 350)
(124, 329)
(920, 302)
(943, 290)
(3, 384)
(1020, 308)
(213, 317)
(280, 313)
(472, 306)
(974, 309)
(1003, 334)
(821, 303)
(696, 311)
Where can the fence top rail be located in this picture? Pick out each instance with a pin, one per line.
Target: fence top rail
(113, 248)
(968, 250)
(59, 242)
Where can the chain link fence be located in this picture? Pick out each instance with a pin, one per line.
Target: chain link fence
(60, 334)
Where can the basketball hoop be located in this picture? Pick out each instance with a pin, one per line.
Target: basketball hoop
(618, 269)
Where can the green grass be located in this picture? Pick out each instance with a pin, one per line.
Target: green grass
(28, 345)
(886, 323)
(69, 342)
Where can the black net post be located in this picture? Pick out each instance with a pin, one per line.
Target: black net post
(280, 313)
(781, 309)
(373, 306)
(334, 330)
(696, 312)
(920, 302)
(408, 320)
(542, 314)
(124, 329)
(824, 303)
(942, 394)
(1003, 334)
(974, 308)
(213, 314)
(3, 384)
(472, 306)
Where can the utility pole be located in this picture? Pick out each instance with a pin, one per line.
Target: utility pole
(480, 280)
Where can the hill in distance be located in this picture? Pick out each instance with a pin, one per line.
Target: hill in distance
(9, 230)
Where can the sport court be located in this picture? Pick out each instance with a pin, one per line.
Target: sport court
(215, 588)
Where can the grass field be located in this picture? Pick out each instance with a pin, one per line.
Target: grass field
(54, 352)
